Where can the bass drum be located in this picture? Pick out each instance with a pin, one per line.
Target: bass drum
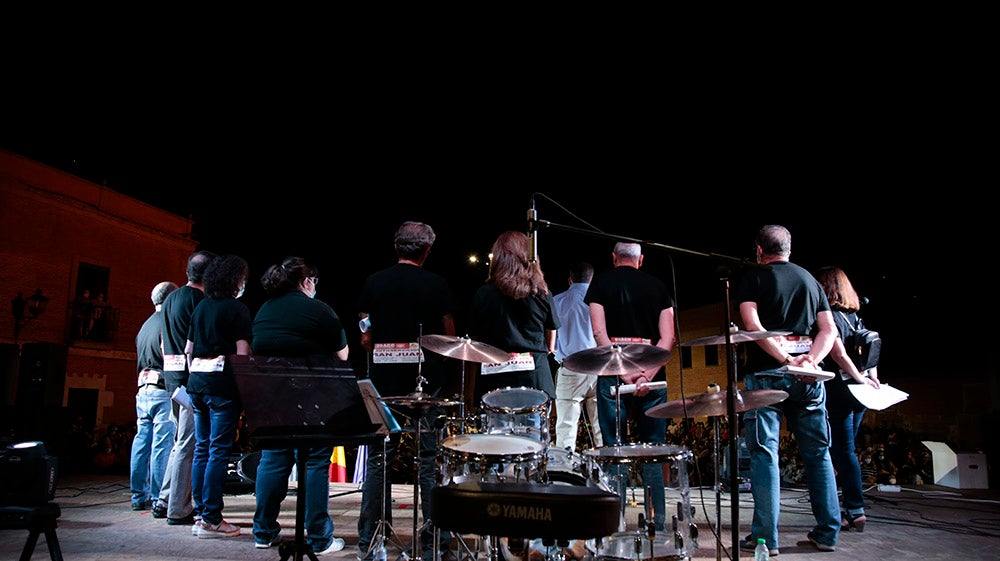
(560, 467)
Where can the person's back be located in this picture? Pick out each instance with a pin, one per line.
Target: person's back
(154, 435)
(398, 305)
(175, 501)
(781, 296)
(575, 391)
(629, 306)
(293, 323)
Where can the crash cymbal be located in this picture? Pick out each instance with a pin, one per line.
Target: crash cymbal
(419, 400)
(714, 404)
(738, 337)
(463, 348)
(617, 360)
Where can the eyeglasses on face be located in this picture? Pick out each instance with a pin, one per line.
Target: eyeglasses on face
(315, 280)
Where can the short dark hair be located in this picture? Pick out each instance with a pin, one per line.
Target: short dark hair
(581, 271)
(197, 264)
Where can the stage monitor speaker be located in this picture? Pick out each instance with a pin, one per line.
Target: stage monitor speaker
(28, 474)
(41, 376)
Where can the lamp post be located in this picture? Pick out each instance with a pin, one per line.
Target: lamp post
(26, 309)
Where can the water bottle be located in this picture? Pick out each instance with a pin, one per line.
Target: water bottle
(761, 553)
(378, 554)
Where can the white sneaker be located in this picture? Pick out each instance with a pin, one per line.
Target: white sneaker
(272, 543)
(221, 530)
(195, 527)
(336, 544)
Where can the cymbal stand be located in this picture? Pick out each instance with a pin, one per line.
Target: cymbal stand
(381, 538)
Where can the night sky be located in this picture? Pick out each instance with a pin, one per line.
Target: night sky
(264, 190)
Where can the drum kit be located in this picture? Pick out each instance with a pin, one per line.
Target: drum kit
(511, 445)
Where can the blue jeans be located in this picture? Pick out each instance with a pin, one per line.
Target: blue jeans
(215, 430)
(176, 490)
(271, 488)
(373, 500)
(154, 437)
(844, 424)
(651, 431)
(805, 412)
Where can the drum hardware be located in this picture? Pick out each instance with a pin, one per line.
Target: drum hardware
(419, 402)
(683, 537)
(464, 349)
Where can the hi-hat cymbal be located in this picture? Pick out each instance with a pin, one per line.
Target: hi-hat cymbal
(738, 337)
(714, 404)
(617, 360)
(419, 400)
(463, 348)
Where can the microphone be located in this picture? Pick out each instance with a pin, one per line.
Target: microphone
(532, 239)
(864, 300)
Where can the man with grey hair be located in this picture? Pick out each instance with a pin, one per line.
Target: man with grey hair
(154, 434)
(631, 306)
(785, 297)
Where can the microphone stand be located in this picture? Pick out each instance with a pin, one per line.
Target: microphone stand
(731, 390)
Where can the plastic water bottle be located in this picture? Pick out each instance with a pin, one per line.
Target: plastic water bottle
(761, 553)
(378, 554)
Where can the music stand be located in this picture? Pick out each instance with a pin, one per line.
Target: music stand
(302, 403)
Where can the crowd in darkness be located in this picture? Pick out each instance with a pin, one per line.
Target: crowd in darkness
(888, 454)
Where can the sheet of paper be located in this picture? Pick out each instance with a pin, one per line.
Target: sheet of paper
(879, 399)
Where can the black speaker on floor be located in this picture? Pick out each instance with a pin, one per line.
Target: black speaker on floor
(28, 474)
(41, 379)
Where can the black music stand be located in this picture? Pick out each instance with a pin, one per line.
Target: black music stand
(302, 403)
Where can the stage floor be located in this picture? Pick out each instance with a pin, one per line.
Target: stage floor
(923, 522)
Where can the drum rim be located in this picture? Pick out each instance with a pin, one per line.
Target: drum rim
(507, 409)
(677, 452)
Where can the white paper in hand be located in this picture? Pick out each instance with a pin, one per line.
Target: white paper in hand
(879, 399)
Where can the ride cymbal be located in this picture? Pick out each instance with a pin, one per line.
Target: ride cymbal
(463, 348)
(738, 337)
(714, 404)
(617, 360)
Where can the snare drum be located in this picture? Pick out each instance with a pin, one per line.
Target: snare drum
(490, 458)
(517, 411)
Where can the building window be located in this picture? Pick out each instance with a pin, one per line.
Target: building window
(686, 357)
(711, 355)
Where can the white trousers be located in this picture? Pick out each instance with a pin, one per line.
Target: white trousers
(574, 391)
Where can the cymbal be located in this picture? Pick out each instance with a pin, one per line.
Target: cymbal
(715, 404)
(463, 348)
(617, 360)
(738, 337)
(419, 400)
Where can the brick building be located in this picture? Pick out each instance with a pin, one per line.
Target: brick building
(77, 263)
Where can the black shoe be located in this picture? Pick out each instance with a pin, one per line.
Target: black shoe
(186, 521)
(159, 511)
(141, 506)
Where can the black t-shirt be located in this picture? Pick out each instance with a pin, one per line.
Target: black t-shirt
(177, 309)
(216, 326)
(632, 301)
(403, 302)
(293, 324)
(788, 298)
(147, 344)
